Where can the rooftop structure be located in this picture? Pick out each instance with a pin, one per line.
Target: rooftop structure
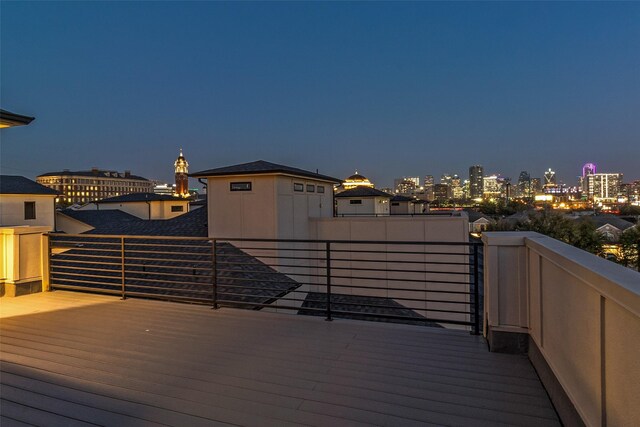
(356, 180)
(9, 119)
(362, 201)
(25, 202)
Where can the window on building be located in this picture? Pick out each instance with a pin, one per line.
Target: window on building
(311, 188)
(395, 204)
(178, 208)
(298, 187)
(240, 186)
(355, 202)
(29, 210)
(320, 188)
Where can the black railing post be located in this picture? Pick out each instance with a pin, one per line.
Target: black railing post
(328, 260)
(214, 275)
(124, 296)
(476, 291)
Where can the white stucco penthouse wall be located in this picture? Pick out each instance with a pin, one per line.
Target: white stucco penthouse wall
(12, 210)
(271, 210)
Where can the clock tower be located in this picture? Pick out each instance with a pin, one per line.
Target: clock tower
(182, 178)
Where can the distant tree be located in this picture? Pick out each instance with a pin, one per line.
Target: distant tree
(629, 246)
(586, 237)
(630, 210)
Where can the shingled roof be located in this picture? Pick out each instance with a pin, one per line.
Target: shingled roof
(10, 119)
(13, 184)
(114, 221)
(363, 192)
(262, 167)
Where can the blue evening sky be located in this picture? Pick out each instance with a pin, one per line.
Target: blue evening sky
(391, 89)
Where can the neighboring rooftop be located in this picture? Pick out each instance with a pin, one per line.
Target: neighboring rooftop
(141, 197)
(95, 173)
(363, 192)
(9, 119)
(601, 220)
(262, 167)
(475, 215)
(13, 184)
(401, 198)
(114, 221)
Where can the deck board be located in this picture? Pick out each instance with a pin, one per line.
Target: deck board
(73, 358)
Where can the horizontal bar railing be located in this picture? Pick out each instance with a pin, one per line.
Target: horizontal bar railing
(425, 283)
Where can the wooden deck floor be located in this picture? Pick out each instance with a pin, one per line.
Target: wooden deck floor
(75, 359)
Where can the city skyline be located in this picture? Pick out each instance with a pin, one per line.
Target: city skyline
(390, 89)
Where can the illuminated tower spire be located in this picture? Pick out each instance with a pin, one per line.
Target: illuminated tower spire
(182, 177)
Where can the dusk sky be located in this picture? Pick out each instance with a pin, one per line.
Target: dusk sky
(392, 89)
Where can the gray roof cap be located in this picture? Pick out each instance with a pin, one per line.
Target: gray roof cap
(141, 197)
(263, 167)
(363, 192)
(14, 184)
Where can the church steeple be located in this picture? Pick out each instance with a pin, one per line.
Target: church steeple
(182, 177)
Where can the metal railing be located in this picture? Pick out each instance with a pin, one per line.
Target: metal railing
(423, 283)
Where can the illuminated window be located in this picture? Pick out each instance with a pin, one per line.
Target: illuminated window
(311, 188)
(320, 188)
(29, 210)
(240, 186)
(177, 208)
(298, 187)
(355, 202)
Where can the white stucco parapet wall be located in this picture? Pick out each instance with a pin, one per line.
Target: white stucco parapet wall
(582, 313)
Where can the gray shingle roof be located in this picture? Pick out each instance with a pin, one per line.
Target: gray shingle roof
(401, 198)
(263, 167)
(14, 119)
(114, 221)
(363, 192)
(475, 215)
(13, 184)
(140, 197)
(601, 220)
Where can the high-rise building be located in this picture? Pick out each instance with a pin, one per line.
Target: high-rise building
(603, 186)
(428, 181)
(441, 192)
(476, 182)
(536, 186)
(96, 184)
(587, 169)
(524, 185)
(405, 186)
(182, 176)
(550, 178)
(492, 186)
(457, 192)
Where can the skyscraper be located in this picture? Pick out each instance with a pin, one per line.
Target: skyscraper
(182, 177)
(549, 178)
(476, 182)
(524, 185)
